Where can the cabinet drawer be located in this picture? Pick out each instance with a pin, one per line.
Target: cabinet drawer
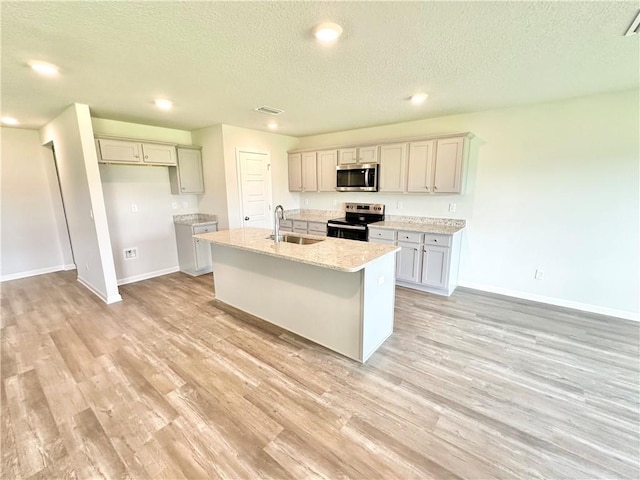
(317, 227)
(205, 229)
(411, 237)
(286, 223)
(300, 230)
(381, 234)
(437, 239)
(286, 229)
(298, 225)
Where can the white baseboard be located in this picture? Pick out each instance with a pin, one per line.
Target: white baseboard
(70, 266)
(148, 275)
(32, 273)
(108, 300)
(585, 307)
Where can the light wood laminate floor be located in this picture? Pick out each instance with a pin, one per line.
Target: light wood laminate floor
(167, 385)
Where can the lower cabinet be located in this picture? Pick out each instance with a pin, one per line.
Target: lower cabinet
(194, 255)
(303, 226)
(426, 261)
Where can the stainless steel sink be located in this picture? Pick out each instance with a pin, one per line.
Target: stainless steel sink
(296, 239)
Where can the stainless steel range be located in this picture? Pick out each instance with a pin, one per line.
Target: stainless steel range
(354, 224)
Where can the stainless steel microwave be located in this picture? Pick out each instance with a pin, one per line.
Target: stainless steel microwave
(357, 178)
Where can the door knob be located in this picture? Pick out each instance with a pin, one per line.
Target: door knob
(246, 218)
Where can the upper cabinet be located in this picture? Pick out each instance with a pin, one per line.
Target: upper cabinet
(416, 165)
(131, 152)
(327, 161)
(309, 172)
(187, 177)
(295, 172)
(393, 168)
(447, 176)
(365, 154)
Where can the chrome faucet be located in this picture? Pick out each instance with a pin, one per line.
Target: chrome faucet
(276, 228)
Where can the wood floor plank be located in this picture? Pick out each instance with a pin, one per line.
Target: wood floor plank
(171, 384)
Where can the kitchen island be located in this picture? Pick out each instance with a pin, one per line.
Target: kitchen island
(337, 293)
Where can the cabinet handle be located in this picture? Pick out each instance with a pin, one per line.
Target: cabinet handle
(435, 240)
(146, 156)
(182, 188)
(435, 188)
(137, 156)
(427, 187)
(246, 218)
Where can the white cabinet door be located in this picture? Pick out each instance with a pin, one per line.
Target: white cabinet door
(435, 266)
(118, 151)
(448, 165)
(295, 172)
(309, 172)
(347, 156)
(420, 170)
(187, 177)
(159, 154)
(393, 165)
(408, 262)
(368, 154)
(202, 254)
(327, 161)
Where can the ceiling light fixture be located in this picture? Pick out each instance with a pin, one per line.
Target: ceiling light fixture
(46, 69)
(10, 121)
(163, 104)
(272, 125)
(327, 32)
(418, 98)
(634, 27)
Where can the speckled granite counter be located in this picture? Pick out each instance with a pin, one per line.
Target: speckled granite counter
(446, 226)
(321, 216)
(195, 219)
(332, 253)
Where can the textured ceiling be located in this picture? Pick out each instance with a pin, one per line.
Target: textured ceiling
(219, 60)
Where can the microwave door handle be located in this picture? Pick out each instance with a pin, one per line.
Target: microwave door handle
(366, 178)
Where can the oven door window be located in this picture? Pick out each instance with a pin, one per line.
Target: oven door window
(348, 233)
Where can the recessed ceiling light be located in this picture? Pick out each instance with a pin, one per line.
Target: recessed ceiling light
(163, 104)
(634, 27)
(327, 32)
(418, 98)
(10, 121)
(42, 68)
(272, 125)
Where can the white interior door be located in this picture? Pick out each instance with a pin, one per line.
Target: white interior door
(255, 189)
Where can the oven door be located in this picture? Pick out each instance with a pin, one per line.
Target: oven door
(350, 232)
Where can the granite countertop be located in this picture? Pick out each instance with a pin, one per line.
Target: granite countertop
(332, 253)
(195, 219)
(320, 216)
(445, 226)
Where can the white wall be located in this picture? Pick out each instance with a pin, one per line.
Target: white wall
(220, 144)
(72, 137)
(255, 141)
(150, 229)
(553, 186)
(34, 236)
(214, 199)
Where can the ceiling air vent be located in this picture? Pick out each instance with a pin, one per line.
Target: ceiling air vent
(634, 27)
(269, 110)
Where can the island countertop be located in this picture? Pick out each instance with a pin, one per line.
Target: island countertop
(333, 253)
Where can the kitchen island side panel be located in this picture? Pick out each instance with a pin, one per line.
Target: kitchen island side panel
(320, 304)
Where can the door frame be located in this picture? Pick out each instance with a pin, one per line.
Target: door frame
(267, 155)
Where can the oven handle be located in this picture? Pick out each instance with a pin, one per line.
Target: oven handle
(346, 227)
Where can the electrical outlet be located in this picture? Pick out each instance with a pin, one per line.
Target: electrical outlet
(185, 205)
(134, 207)
(335, 203)
(399, 205)
(452, 207)
(130, 253)
(174, 205)
(539, 274)
(306, 201)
